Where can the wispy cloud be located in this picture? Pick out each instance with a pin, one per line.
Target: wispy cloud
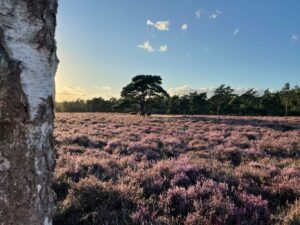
(236, 31)
(163, 48)
(146, 46)
(206, 50)
(215, 15)
(71, 93)
(159, 25)
(199, 13)
(184, 27)
(295, 37)
(105, 92)
(207, 14)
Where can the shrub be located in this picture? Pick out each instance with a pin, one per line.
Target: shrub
(293, 215)
(94, 202)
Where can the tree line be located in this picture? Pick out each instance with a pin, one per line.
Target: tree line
(145, 95)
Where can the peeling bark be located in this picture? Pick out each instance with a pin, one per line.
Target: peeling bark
(28, 63)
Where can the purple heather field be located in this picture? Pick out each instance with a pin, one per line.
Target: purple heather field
(119, 169)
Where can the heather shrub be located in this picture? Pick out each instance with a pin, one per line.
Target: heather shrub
(211, 203)
(217, 211)
(94, 202)
(237, 140)
(216, 137)
(154, 186)
(175, 202)
(252, 176)
(252, 135)
(172, 144)
(284, 193)
(251, 154)
(181, 180)
(285, 186)
(61, 188)
(197, 144)
(253, 210)
(116, 146)
(196, 218)
(281, 146)
(233, 155)
(293, 214)
(143, 216)
(147, 151)
(81, 141)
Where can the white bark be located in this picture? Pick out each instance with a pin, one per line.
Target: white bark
(28, 64)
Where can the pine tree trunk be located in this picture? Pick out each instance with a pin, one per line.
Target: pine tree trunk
(286, 108)
(218, 110)
(28, 63)
(142, 107)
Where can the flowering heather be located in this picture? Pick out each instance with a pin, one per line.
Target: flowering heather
(182, 170)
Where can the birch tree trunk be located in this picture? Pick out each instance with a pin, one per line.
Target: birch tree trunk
(28, 63)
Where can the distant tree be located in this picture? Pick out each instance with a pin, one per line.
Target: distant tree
(198, 103)
(193, 103)
(271, 103)
(158, 105)
(124, 105)
(249, 102)
(235, 105)
(113, 101)
(221, 99)
(173, 105)
(286, 97)
(142, 88)
(98, 105)
(184, 104)
(295, 100)
(72, 106)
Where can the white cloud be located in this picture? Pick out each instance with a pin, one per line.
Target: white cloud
(159, 25)
(295, 37)
(184, 27)
(236, 31)
(146, 46)
(215, 14)
(183, 90)
(199, 13)
(163, 48)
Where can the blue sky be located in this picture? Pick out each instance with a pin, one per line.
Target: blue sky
(192, 44)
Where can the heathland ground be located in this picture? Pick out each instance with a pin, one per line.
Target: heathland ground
(129, 169)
